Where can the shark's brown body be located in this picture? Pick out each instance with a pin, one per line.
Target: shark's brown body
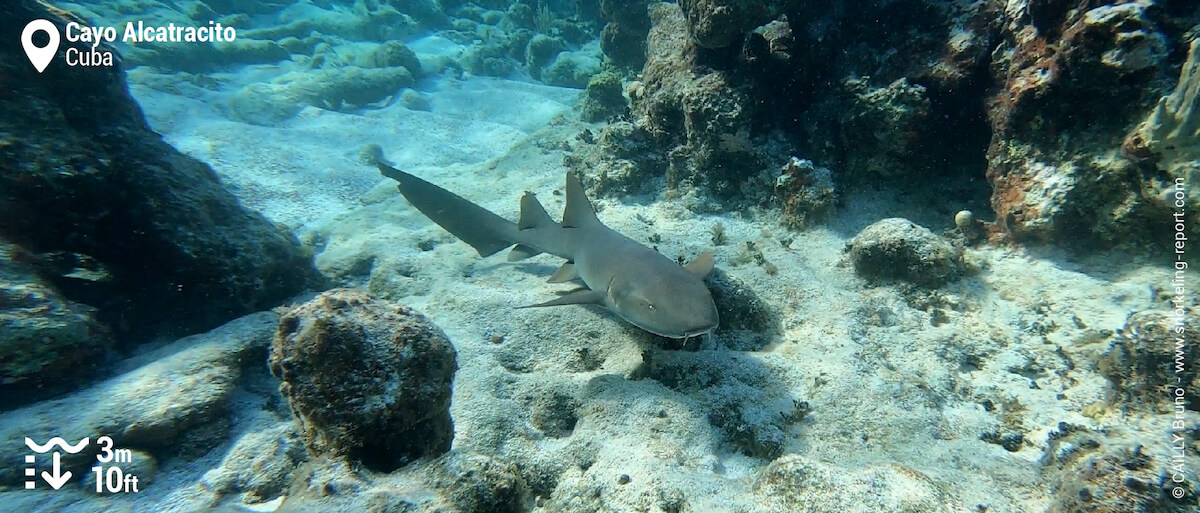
(635, 282)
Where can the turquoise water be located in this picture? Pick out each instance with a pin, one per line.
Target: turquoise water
(932, 256)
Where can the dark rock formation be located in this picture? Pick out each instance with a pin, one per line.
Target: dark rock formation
(623, 39)
(367, 381)
(171, 401)
(747, 322)
(806, 191)
(720, 23)
(896, 248)
(47, 343)
(1023, 105)
(82, 175)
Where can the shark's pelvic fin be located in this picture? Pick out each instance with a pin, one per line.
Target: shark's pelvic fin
(521, 252)
(564, 273)
(702, 265)
(488, 233)
(578, 212)
(578, 297)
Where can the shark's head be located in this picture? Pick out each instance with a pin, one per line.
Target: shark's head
(677, 305)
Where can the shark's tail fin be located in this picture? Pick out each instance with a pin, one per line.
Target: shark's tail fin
(488, 233)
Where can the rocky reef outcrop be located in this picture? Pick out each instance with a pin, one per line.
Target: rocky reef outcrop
(1070, 85)
(994, 103)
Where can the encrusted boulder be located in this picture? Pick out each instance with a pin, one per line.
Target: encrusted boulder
(603, 98)
(1138, 356)
(806, 191)
(1118, 479)
(879, 124)
(896, 248)
(366, 380)
(701, 115)
(720, 23)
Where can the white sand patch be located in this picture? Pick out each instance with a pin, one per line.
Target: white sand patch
(310, 167)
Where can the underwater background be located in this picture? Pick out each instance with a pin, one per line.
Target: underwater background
(952, 243)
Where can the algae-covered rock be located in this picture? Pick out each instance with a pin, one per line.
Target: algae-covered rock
(392, 54)
(458, 481)
(541, 52)
(495, 58)
(259, 466)
(337, 88)
(414, 100)
(603, 98)
(702, 115)
(879, 126)
(200, 57)
(897, 248)
(1116, 480)
(800, 483)
(1070, 93)
(807, 193)
(367, 381)
(571, 69)
(720, 23)
(475, 483)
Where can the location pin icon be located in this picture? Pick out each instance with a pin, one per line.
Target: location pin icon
(40, 57)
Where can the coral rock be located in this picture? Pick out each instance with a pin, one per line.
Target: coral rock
(1137, 357)
(366, 380)
(896, 248)
(807, 192)
(720, 23)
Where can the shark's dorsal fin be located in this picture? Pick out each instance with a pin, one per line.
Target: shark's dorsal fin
(533, 214)
(564, 273)
(701, 265)
(578, 212)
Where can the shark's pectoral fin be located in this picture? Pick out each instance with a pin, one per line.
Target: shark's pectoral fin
(578, 297)
(702, 265)
(564, 274)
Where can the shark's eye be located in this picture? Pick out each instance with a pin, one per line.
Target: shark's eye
(650, 305)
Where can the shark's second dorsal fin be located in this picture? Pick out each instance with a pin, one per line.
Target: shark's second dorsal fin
(533, 214)
(578, 212)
